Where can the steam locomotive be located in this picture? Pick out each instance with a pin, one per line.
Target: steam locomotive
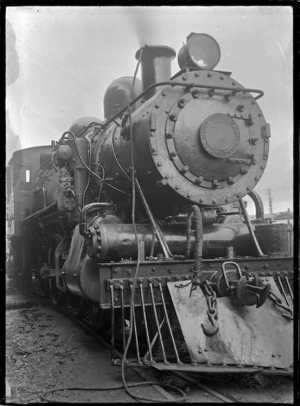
(138, 221)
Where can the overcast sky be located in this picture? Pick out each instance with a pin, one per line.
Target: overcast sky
(60, 61)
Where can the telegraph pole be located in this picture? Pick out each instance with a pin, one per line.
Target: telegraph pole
(270, 197)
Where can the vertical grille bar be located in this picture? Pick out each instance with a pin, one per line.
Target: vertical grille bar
(169, 325)
(123, 317)
(157, 323)
(135, 330)
(154, 339)
(112, 322)
(146, 323)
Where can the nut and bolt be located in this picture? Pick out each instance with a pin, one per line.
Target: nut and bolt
(199, 180)
(181, 103)
(184, 170)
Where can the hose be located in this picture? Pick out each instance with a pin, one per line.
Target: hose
(133, 180)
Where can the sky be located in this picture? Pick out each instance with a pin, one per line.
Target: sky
(60, 61)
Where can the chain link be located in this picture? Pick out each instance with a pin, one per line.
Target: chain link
(212, 311)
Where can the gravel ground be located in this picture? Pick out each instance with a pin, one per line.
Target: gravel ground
(45, 350)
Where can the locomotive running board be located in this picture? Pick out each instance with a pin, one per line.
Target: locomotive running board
(247, 336)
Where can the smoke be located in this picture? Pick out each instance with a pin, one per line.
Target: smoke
(12, 59)
(144, 26)
(13, 142)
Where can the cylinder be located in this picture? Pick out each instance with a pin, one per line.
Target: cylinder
(118, 241)
(156, 66)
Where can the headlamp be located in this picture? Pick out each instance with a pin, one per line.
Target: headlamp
(200, 51)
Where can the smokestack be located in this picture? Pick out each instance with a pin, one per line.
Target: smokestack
(156, 66)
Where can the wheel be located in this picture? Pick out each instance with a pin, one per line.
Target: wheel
(77, 305)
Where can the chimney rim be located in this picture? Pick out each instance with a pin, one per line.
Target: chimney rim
(155, 51)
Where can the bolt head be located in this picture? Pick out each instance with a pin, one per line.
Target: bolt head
(199, 180)
(244, 170)
(215, 183)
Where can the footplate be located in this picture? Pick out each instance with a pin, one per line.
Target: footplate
(247, 335)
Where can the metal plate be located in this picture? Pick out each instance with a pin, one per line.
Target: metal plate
(246, 336)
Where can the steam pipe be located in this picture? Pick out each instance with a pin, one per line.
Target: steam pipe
(250, 228)
(259, 206)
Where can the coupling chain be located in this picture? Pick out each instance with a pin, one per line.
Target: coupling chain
(212, 311)
(278, 302)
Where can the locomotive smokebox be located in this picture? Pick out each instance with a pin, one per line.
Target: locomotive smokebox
(156, 66)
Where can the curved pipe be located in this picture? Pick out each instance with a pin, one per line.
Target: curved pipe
(83, 214)
(250, 228)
